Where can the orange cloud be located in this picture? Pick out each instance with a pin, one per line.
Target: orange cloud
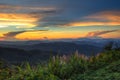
(93, 24)
(23, 16)
(106, 15)
(23, 20)
(1, 39)
(107, 18)
(99, 33)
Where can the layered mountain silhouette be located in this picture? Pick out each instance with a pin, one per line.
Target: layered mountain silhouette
(36, 51)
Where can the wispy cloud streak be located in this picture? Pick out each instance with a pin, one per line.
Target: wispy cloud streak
(98, 33)
(11, 35)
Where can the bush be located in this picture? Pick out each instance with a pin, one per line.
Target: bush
(105, 66)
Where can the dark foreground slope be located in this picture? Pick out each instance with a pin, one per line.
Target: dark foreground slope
(105, 66)
(14, 55)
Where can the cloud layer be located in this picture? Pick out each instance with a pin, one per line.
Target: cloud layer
(23, 16)
(107, 18)
(98, 33)
(65, 18)
(12, 35)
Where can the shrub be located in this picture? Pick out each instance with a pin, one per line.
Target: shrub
(105, 66)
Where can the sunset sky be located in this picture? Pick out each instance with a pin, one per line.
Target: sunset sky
(59, 19)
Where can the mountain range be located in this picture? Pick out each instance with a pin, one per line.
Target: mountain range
(35, 51)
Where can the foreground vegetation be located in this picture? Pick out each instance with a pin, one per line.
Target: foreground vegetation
(105, 66)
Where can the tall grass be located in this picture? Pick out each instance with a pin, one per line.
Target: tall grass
(104, 66)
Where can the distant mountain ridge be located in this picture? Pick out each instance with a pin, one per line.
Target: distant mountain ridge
(39, 50)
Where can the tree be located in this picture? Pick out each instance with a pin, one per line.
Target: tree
(109, 46)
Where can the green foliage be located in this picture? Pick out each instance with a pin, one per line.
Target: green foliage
(110, 72)
(64, 67)
(105, 66)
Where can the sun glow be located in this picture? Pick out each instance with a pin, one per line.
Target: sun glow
(21, 20)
